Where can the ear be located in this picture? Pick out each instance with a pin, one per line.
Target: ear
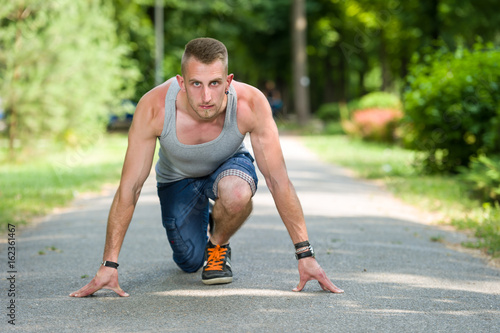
(180, 81)
(229, 79)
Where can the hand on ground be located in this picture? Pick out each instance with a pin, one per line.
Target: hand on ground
(309, 269)
(106, 278)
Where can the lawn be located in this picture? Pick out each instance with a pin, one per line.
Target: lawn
(34, 185)
(396, 167)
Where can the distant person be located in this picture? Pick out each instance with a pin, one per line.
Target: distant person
(274, 98)
(200, 120)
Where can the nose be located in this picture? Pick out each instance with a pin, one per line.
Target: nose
(206, 96)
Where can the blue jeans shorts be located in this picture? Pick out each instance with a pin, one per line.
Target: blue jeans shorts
(184, 209)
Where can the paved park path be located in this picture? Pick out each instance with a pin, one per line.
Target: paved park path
(396, 279)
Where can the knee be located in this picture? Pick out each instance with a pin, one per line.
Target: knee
(189, 263)
(191, 267)
(235, 195)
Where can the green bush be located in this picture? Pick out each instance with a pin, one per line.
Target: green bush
(331, 115)
(452, 106)
(333, 128)
(379, 100)
(486, 225)
(483, 176)
(328, 112)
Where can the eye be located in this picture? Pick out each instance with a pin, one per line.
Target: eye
(214, 83)
(196, 84)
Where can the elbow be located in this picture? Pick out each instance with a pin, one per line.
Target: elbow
(129, 194)
(271, 184)
(137, 193)
(277, 184)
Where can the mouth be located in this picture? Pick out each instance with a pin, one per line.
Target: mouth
(206, 107)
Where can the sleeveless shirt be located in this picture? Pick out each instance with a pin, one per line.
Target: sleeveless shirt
(179, 161)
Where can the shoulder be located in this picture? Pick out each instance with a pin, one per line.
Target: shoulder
(253, 106)
(247, 93)
(155, 98)
(150, 110)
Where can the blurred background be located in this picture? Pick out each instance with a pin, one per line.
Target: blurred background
(420, 75)
(66, 65)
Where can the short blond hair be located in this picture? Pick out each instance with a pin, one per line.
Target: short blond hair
(205, 50)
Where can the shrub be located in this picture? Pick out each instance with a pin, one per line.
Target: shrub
(376, 124)
(374, 117)
(333, 128)
(486, 225)
(352, 106)
(483, 175)
(379, 99)
(328, 112)
(452, 107)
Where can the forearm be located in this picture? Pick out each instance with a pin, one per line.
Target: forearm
(290, 210)
(120, 215)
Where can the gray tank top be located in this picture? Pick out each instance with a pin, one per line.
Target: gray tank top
(178, 161)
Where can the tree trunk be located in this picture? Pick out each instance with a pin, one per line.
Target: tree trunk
(159, 41)
(300, 77)
(361, 84)
(329, 88)
(404, 64)
(342, 86)
(384, 61)
(434, 17)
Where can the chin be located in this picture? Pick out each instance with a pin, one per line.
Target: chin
(206, 117)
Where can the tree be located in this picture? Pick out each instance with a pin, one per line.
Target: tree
(61, 69)
(300, 77)
(134, 28)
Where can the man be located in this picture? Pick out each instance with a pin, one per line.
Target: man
(200, 120)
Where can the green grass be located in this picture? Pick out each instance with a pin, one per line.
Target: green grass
(443, 194)
(37, 184)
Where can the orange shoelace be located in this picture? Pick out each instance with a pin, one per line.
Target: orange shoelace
(215, 259)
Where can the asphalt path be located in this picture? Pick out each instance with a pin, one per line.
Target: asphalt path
(383, 253)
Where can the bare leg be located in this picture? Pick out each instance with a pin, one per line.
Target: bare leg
(231, 209)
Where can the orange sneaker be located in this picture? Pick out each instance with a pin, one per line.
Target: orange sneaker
(217, 266)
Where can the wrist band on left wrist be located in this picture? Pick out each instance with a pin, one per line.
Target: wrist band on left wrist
(110, 264)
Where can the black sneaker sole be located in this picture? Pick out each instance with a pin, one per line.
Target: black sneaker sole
(219, 280)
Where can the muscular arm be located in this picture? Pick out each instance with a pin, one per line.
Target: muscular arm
(269, 156)
(136, 168)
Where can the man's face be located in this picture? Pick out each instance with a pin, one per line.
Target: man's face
(205, 87)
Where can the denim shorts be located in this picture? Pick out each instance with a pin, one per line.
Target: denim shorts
(184, 209)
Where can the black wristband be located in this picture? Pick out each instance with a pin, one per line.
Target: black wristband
(110, 264)
(301, 244)
(306, 254)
